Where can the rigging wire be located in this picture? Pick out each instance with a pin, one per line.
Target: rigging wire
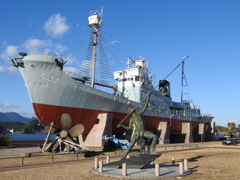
(127, 71)
(112, 53)
(124, 54)
(114, 40)
(80, 45)
(153, 89)
(105, 70)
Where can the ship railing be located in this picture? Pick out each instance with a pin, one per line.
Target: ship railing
(184, 113)
(207, 115)
(103, 83)
(178, 105)
(190, 114)
(84, 79)
(17, 62)
(186, 104)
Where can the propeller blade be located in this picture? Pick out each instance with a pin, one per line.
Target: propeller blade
(47, 128)
(66, 121)
(70, 139)
(76, 130)
(54, 145)
(63, 134)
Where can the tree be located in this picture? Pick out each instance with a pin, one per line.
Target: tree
(5, 140)
(225, 130)
(217, 130)
(232, 128)
(231, 125)
(238, 129)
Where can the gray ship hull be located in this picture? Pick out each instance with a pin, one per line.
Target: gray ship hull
(53, 93)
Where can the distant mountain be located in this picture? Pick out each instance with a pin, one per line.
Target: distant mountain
(15, 121)
(31, 128)
(16, 126)
(14, 117)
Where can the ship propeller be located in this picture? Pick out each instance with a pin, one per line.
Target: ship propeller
(65, 134)
(66, 121)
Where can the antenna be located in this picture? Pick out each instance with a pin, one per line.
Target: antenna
(154, 88)
(128, 62)
(101, 14)
(183, 79)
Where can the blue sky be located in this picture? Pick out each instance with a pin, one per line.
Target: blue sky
(161, 31)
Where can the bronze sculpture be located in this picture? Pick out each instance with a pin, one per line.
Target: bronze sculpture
(140, 132)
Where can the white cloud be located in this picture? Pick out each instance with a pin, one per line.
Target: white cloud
(60, 48)
(8, 69)
(37, 46)
(56, 26)
(115, 42)
(7, 106)
(47, 51)
(234, 121)
(69, 69)
(10, 52)
(70, 60)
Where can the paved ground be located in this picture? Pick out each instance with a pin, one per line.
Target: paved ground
(165, 171)
(148, 172)
(18, 151)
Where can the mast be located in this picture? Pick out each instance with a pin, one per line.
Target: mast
(183, 79)
(95, 23)
(94, 43)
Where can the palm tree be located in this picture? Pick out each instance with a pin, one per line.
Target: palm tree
(232, 128)
(225, 131)
(217, 130)
(238, 129)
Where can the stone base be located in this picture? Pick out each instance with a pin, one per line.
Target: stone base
(148, 172)
(134, 162)
(94, 137)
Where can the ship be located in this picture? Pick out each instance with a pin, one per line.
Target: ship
(55, 93)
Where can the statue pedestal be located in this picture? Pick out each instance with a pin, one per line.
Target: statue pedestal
(134, 162)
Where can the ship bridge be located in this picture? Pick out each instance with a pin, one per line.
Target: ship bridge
(132, 80)
(134, 83)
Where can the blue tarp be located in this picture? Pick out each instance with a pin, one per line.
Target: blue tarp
(119, 143)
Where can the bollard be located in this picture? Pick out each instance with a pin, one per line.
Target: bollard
(185, 164)
(108, 159)
(100, 166)
(173, 161)
(157, 170)
(124, 169)
(96, 163)
(181, 168)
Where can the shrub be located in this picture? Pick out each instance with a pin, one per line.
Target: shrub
(5, 140)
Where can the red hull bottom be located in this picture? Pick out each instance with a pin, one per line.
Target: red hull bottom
(88, 117)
